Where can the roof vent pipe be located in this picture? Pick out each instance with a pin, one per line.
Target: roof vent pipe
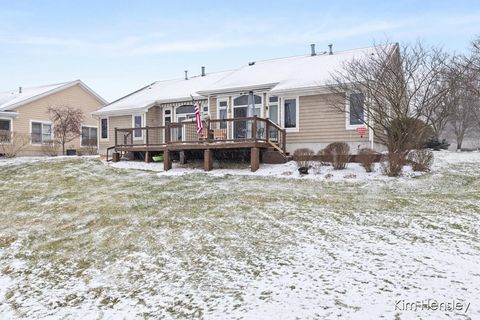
(330, 50)
(203, 71)
(186, 74)
(312, 50)
(19, 89)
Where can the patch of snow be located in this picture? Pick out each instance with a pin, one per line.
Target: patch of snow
(354, 171)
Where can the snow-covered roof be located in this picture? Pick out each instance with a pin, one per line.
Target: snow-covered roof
(161, 92)
(12, 99)
(287, 74)
(277, 75)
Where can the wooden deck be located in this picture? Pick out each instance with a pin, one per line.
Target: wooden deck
(251, 133)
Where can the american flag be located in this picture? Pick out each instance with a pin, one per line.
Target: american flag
(198, 119)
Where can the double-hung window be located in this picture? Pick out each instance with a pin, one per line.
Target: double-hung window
(356, 112)
(41, 132)
(222, 113)
(137, 123)
(104, 128)
(273, 109)
(89, 136)
(290, 114)
(5, 130)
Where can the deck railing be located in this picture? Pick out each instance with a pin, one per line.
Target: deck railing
(231, 130)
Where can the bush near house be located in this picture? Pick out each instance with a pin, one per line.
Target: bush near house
(367, 157)
(421, 159)
(303, 157)
(50, 149)
(392, 163)
(11, 143)
(325, 156)
(340, 153)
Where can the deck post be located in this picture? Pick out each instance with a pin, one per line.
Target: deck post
(254, 159)
(167, 132)
(116, 136)
(183, 160)
(208, 130)
(254, 128)
(207, 160)
(146, 135)
(167, 161)
(267, 130)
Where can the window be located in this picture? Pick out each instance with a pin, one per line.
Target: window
(5, 130)
(138, 123)
(168, 116)
(222, 113)
(104, 128)
(290, 113)
(273, 109)
(89, 136)
(242, 106)
(41, 132)
(356, 111)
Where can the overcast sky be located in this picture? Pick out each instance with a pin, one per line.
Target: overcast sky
(119, 46)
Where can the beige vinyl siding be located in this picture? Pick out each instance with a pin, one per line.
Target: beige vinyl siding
(75, 97)
(320, 123)
(113, 122)
(212, 108)
(155, 119)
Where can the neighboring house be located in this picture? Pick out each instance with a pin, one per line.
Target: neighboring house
(291, 92)
(25, 111)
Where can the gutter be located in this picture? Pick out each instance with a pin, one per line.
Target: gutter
(265, 86)
(9, 114)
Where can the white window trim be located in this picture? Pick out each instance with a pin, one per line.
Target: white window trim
(273, 104)
(349, 126)
(167, 115)
(81, 136)
(108, 129)
(297, 113)
(42, 122)
(142, 121)
(223, 99)
(11, 129)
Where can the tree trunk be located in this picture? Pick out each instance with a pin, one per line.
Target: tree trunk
(459, 142)
(63, 148)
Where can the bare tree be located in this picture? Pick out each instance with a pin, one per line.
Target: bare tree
(464, 105)
(400, 86)
(67, 123)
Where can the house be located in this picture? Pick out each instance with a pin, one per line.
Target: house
(24, 111)
(269, 106)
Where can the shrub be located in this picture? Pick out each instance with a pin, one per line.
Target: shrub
(340, 154)
(392, 163)
(420, 160)
(50, 149)
(302, 157)
(326, 157)
(89, 150)
(366, 157)
(11, 143)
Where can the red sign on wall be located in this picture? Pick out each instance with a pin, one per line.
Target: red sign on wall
(361, 131)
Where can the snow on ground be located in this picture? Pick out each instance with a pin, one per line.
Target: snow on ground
(353, 172)
(83, 240)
